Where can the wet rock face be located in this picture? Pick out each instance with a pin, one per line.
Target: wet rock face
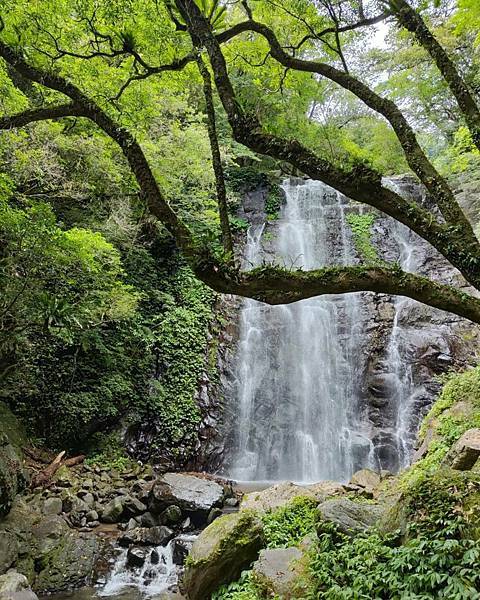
(409, 344)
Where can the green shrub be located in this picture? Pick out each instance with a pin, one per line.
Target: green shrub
(289, 525)
(456, 410)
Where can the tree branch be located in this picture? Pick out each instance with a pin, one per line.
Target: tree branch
(275, 285)
(413, 22)
(216, 159)
(130, 147)
(40, 114)
(454, 241)
(416, 158)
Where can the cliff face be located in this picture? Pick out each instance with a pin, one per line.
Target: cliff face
(399, 349)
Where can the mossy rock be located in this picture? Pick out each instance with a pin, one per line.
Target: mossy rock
(12, 476)
(221, 552)
(68, 563)
(438, 497)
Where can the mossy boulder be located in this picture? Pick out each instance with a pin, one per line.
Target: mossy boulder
(279, 573)
(52, 556)
(221, 552)
(12, 476)
(68, 563)
(435, 498)
(350, 517)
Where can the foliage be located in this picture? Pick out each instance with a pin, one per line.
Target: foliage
(289, 525)
(435, 561)
(274, 201)
(456, 410)
(360, 226)
(108, 452)
(242, 589)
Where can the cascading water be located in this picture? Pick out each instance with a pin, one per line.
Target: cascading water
(298, 371)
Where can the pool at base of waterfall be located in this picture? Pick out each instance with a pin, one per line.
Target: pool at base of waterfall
(153, 580)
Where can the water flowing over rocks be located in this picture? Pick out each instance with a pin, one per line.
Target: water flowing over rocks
(324, 387)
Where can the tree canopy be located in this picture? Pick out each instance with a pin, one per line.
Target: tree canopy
(270, 73)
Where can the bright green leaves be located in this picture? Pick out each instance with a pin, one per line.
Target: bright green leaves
(361, 228)
(56, 281)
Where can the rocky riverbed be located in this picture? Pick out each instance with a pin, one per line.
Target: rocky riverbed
(112, 529)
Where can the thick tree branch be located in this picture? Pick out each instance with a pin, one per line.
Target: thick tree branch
(274, 285)
(216, 158)
(39, 114)
(413, 22)
(416, 158)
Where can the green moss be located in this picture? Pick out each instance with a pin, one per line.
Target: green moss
(456, 410)
(361, 226)
(274, 201)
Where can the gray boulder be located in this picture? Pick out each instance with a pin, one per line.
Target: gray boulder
(278, 573)
(221, 552)
(112, 512)
(146, 536)
(68, 564)
(367, 479)
(52, 506)
(188, 492)
(14, 586)
(463, 455)
(281, 494)
(350, 517)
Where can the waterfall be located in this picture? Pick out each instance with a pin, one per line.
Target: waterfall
(332, 384)
(298, 367)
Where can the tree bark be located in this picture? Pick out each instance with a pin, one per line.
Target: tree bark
(216, 159)
(413, 22)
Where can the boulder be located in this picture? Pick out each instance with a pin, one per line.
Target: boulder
(68, 564)
(52, 506)
(112, 512)
(8, 550)
(188, 492)
(278, 573)
(221, 552)
(133, 507)
(350, 517)
(14, 586)
(283, 493)
(463, 455)
(366, 478)
(181, 547)
(171, 515)
(146, 536)
(136, 556)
